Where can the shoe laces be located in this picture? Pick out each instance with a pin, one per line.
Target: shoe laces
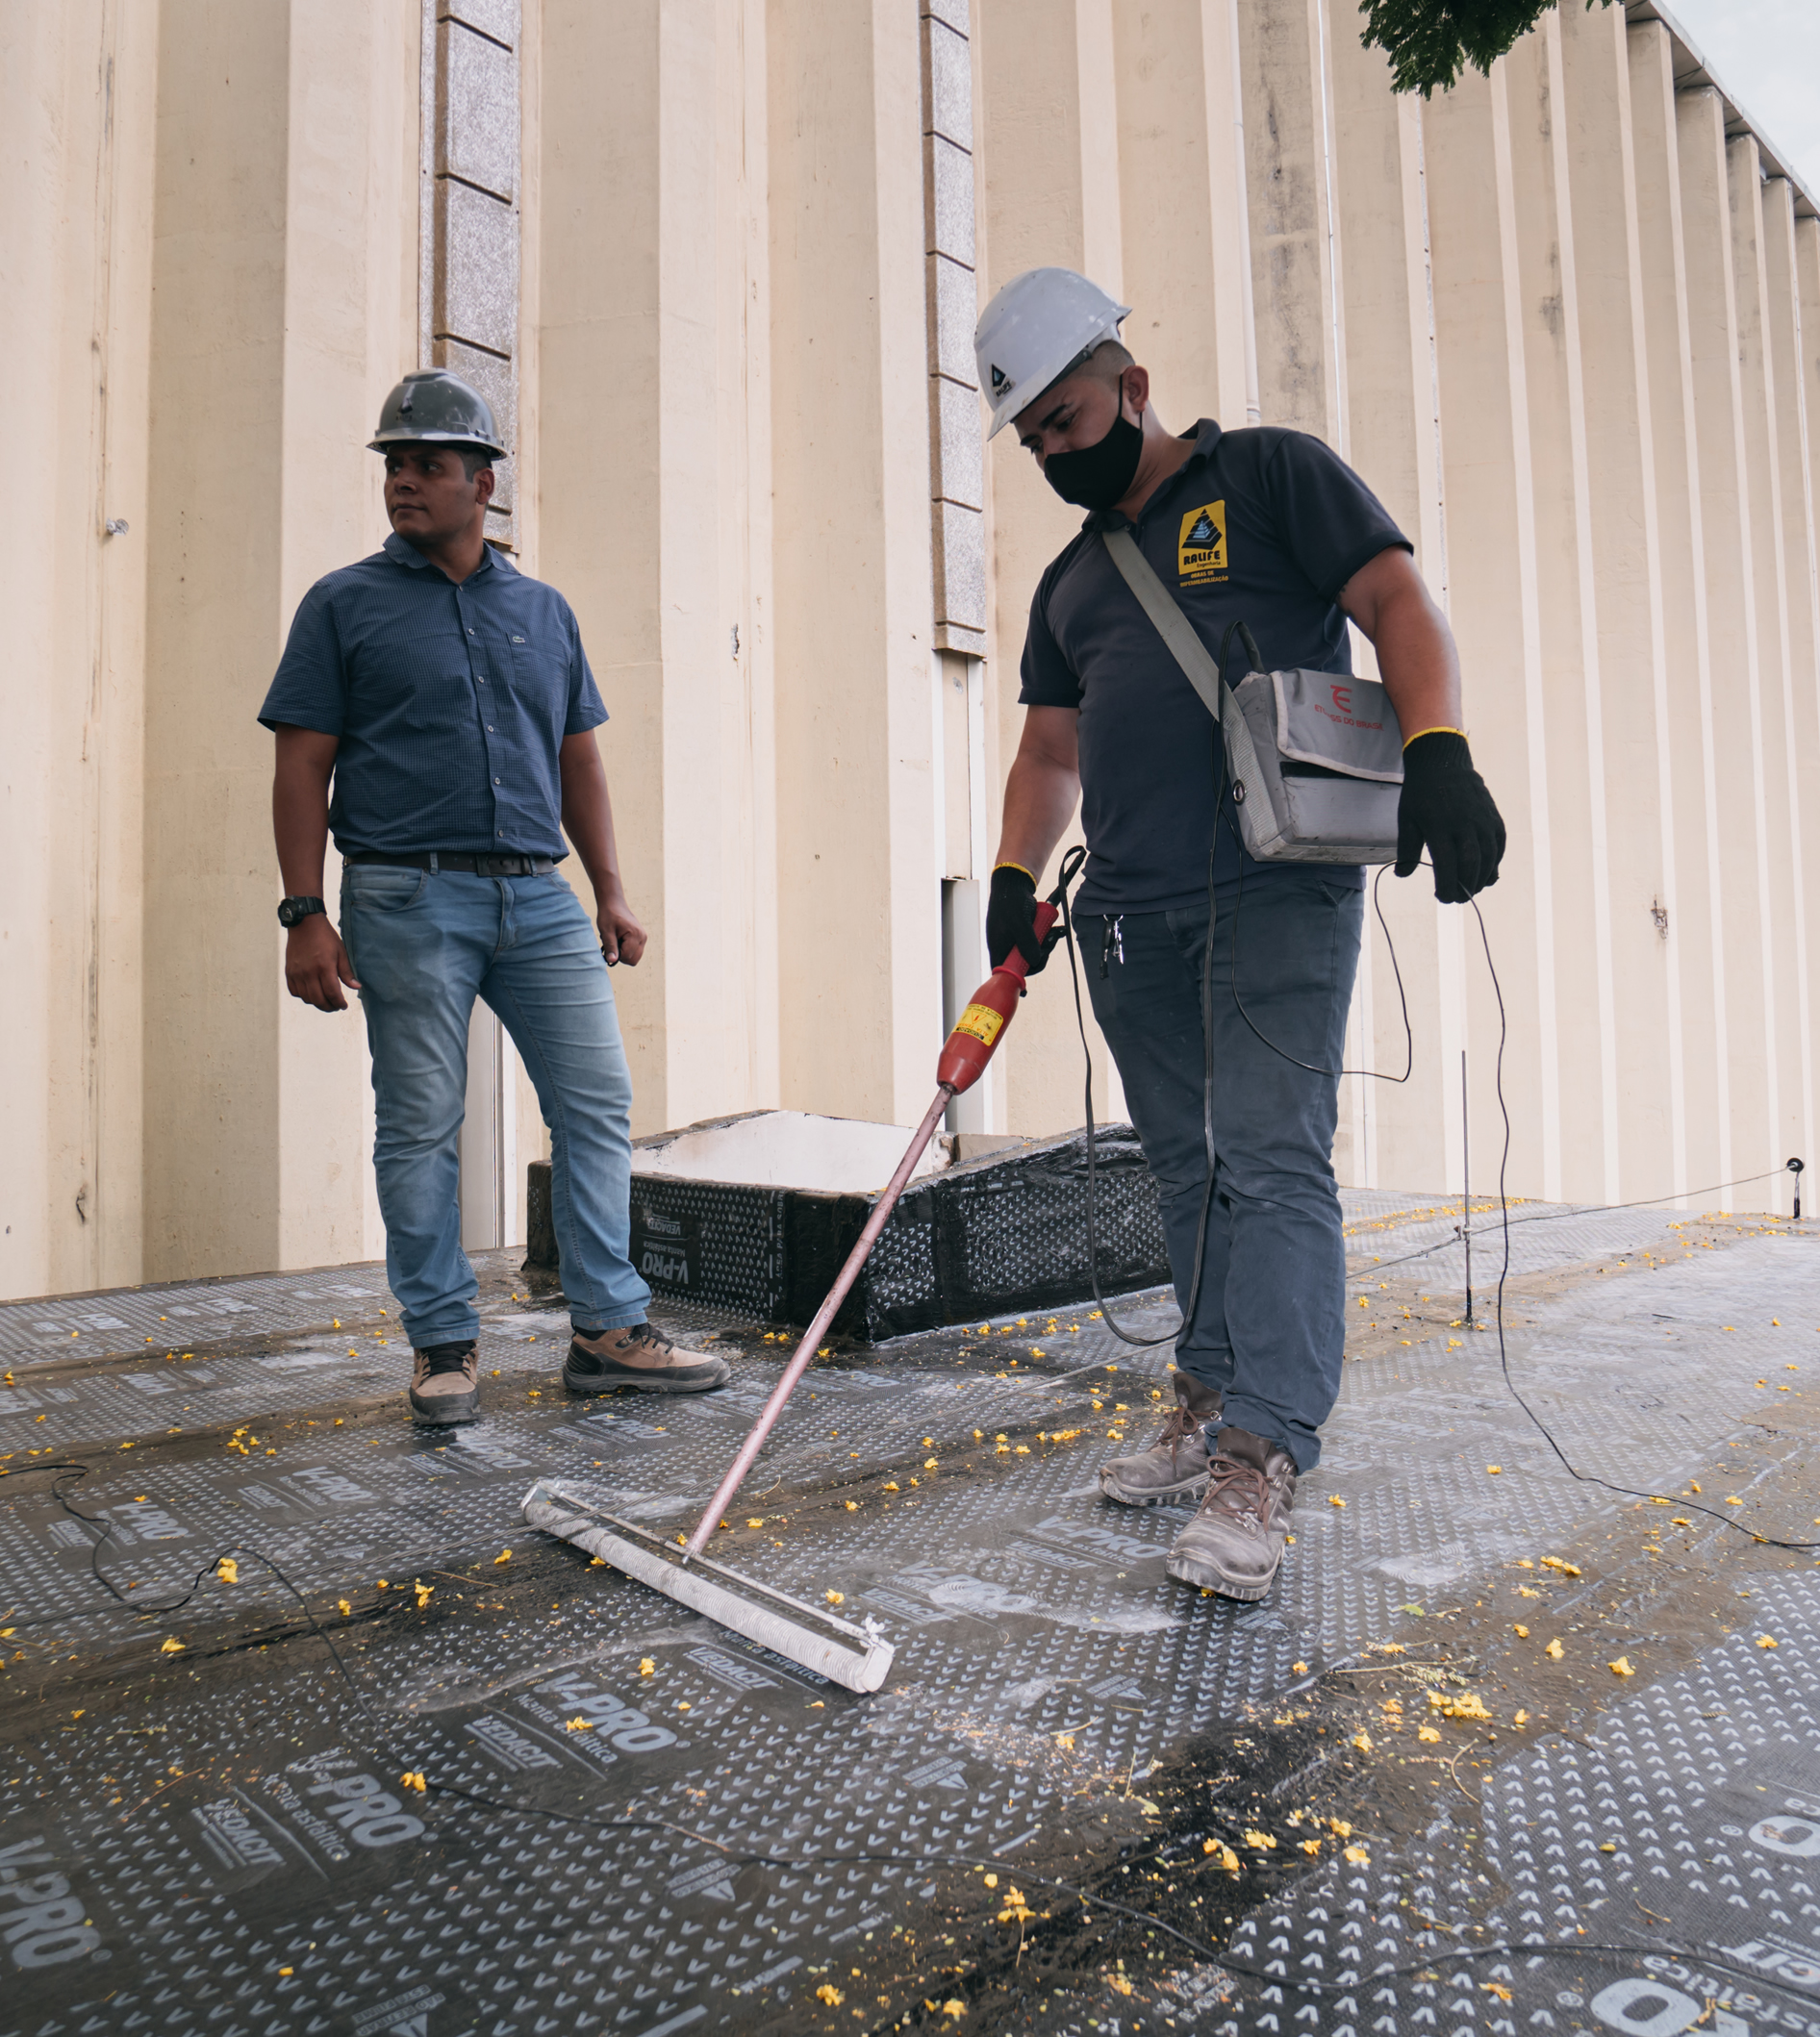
(1237, 1489)
(1182, 1424)
(446, 1358)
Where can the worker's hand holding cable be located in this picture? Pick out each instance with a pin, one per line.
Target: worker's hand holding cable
(1011, 919)
(1447, 809)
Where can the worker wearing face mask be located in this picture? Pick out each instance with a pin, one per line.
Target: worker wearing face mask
(1268, 527)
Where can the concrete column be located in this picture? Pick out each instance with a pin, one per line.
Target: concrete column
(1181, 204)
(1571, 723)
(1494, 585)
(1395, 1134)
(1289, 151)
(957, 533)
(1691, 926)
(652, 450)
(1800, 620)
(1048, 138)
(859, 861)
(1618, 550)
(77, 88)
(1785, 935)
(285, 265)
(1737, 684)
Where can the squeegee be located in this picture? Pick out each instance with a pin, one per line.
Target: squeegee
(853, 1654)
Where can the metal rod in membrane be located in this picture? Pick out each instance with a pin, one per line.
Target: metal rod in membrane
(813, 1335)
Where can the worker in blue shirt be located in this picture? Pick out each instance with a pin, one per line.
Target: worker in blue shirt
(445, 698)
(1267, 527)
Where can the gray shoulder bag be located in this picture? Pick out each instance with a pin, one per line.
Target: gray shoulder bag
(1315, 758)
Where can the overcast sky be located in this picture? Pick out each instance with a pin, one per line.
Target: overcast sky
(1767, 52)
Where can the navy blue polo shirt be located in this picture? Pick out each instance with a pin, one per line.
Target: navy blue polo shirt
(1264, 526)
(450, 702)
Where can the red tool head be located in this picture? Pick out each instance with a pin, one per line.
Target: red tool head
(989, 1011)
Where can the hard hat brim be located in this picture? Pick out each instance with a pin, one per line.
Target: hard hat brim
(380, 442)
(1016, 405)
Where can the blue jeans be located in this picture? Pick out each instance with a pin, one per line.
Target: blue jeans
(1269, 1328)
(425, 947)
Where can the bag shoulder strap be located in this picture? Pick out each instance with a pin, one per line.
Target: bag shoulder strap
(1199, 665)
(1181, 637)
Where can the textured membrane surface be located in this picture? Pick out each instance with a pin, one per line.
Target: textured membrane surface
(242, 1855)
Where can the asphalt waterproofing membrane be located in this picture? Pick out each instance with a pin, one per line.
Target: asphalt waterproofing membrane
(205, 1821)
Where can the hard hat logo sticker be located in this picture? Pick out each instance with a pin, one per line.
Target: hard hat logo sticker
(1000, 381)
(1200, 552)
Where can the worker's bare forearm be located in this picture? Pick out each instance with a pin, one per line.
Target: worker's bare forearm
(1040, 796)
(1419, 664)
(1417, 657)
(1042, 788)
(587, 814)
(300, 808)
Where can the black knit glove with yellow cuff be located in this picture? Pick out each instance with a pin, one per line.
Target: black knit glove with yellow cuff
(1011, 919)
(1447, 809)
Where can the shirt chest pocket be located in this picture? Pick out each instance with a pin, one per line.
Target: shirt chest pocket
(540, 672)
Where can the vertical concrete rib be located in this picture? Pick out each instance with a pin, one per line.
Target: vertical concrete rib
(1292, 256)
(1050, 108)
(1622, 558)
(1392, 426)
(1798, 243)
(1575, 496)
(1729, 539)
(1542, 808)
(1785, 973)
(1796, 596)
(1493, 580)
(1692, 926)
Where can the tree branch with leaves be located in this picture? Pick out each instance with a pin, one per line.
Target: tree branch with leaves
(1429, 42)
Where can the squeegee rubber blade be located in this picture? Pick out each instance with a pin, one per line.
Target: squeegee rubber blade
(858, 1664)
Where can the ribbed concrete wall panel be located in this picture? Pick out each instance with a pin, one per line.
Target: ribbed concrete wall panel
(716, 264)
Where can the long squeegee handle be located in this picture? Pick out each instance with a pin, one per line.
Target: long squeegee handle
(817, 1329)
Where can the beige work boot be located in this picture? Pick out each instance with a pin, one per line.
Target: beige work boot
(1174, 1467)
(445, 1384)
(1234, 1545)
(640, 1358)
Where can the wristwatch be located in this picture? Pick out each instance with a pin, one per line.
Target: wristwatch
(293, 910)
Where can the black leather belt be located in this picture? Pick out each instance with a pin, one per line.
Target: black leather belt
(458, 859)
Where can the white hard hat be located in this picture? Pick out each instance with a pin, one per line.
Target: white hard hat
(1034, 331)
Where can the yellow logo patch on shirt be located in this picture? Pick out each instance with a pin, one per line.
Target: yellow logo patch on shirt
(1201, 554)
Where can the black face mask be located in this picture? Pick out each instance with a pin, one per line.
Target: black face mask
(1099, 476)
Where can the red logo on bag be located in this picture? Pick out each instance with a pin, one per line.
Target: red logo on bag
(1342, 698)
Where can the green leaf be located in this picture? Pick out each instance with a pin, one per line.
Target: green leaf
(1429, 42)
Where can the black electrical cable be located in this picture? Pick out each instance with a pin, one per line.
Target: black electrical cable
(385, 1740)
(1503, 1274)
(1368, 1074)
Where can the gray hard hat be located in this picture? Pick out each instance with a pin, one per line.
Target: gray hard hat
(432, 405)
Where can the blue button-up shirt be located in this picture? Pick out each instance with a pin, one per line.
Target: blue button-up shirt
(450, 702)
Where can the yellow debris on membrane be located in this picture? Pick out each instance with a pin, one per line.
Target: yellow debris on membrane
(1467, 1705)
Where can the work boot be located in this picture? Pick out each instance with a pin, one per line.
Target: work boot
(1234, 1545)
(445, 1384)
(640, 1358)
(1174, 1467)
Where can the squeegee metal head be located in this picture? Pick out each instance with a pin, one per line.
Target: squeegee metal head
(855, 1656)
